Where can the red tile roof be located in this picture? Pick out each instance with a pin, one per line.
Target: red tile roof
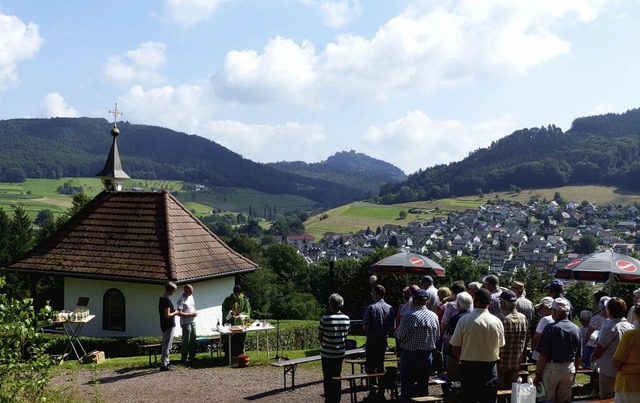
(134, 236)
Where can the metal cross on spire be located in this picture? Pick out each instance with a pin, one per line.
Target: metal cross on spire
(115, 112)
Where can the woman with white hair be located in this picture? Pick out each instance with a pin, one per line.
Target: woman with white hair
(464, 301)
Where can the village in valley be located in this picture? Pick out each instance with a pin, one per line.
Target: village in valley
(505, 236)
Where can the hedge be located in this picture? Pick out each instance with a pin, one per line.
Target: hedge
(294, 335)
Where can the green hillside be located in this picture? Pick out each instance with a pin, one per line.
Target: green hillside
(35, 195)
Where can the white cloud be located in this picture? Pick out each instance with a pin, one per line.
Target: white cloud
(137, 66)
(189, 12)
(336, 13)
(54, 105)
(416, 141)
(283, 72)
(18, 41)
(290, 141)
(423, 48)
(180, 108)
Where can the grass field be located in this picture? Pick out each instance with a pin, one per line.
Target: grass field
(35, 195)
(356, 216)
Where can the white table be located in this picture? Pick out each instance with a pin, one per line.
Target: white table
(72, 329)
(248, 330)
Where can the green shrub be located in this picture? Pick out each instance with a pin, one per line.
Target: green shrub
(24, 362)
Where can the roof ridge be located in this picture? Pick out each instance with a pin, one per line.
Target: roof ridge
(171, 262)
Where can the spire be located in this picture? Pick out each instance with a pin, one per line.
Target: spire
(112, 175)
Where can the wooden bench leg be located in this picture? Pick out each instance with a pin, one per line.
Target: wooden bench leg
(292, 370)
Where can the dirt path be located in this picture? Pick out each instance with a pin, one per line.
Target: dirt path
(219, 384)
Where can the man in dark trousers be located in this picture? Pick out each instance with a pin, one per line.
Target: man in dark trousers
(476, 343)
(378, 322)
(332, 333)
(418, 332)
(560, 351)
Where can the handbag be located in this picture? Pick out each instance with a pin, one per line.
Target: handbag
(523, 392)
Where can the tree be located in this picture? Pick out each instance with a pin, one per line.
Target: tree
(43, 215)
(461, 268)
(22, 235)
(24, 360)
(586, 245)
(581, 297)
(402, 214)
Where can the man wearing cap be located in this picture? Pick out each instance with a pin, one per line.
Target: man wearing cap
(544, 309)
(167, 322)
(523, 305)
(433, 303)
(554, 290)
(492, 283)
(560, 351)
(377, 322)
(476, 343)
(417, 333)
(515, 336)
(187, 308)
(235, 306)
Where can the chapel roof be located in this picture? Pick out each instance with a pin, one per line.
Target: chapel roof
(145, 237)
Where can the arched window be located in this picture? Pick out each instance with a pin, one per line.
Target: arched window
(113, 310)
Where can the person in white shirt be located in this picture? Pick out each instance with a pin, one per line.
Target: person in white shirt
(187, 307)
(544, 307)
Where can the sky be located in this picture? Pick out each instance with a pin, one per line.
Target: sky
(411, 82)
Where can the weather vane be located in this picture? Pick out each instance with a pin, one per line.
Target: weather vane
(115, 112)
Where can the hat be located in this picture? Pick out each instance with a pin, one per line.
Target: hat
(508, 296)
(556, 285)
(483, 296)
(427, 278)
(420, 293)
(517, 286)
(546, 301)
(560, 304)
(410, 290)
(171, 285)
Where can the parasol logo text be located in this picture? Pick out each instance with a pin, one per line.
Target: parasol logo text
(572, 264)
(626, 266)
(416, 261)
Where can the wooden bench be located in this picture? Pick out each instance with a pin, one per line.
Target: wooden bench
(352, 378)
(289, 366)
(434, 398)
(148, 349)
(363, 362)
(504, 395)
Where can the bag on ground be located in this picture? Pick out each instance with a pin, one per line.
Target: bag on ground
(523, 392)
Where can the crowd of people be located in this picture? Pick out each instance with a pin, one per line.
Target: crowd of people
(478, 335)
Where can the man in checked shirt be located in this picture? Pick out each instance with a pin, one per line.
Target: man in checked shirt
(418, 332)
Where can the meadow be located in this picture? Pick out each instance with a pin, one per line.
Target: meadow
(35, 195)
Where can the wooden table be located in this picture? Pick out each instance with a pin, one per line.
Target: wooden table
(72, 329)
(248, 330)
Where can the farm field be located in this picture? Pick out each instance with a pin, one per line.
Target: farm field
(35, 195)
(358, 215)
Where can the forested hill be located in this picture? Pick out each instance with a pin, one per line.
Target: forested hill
(77, 147)
(347, 168)
(600, 150)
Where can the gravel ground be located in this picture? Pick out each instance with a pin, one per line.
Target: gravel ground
(201, 384)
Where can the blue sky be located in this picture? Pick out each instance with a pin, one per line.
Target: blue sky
(414, 83)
